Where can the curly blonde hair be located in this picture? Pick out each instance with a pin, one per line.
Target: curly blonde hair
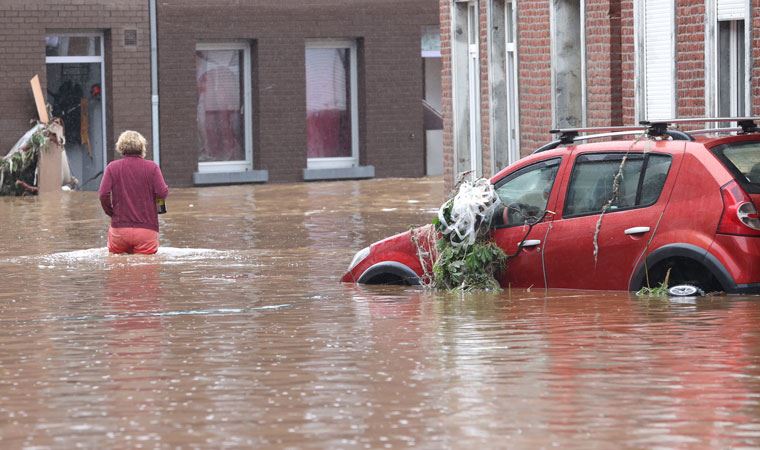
(131, 143)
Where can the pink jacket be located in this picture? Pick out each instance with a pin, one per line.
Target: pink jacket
(129, 190)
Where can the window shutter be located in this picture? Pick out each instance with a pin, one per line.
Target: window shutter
(659, 60)
(731, 9)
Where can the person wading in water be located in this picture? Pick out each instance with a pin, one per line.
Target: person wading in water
(130, 189)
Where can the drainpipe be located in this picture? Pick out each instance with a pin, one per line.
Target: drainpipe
(154, 82)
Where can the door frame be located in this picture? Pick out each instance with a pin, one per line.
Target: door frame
(88, 59)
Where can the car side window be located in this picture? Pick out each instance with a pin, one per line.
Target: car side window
(615, 180)
(525, 193)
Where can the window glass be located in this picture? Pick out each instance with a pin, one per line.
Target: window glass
(328, 102)
(221, 112)
(526, 192)
(610, 179)
(743, 159)
(731, 76)
(72, 45)
(654, 179)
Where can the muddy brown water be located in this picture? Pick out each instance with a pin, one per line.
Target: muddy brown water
(238, 334)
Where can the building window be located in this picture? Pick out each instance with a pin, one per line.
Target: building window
(731, 74)
(504, 87)
(568, 63)
(727, 73)
(223, 78)
(655, 49)
(466, 87)
(332, 135)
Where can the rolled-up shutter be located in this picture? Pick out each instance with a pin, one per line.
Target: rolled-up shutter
(659, 62)
(732, 9)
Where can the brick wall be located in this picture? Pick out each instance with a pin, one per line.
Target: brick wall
(390, 78)
(23, 27)
(603, 63)
(628, 61)
(755, 71)
(690, 58)
(446, 99)
(534, 53)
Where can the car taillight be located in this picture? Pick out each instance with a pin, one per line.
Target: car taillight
(739, 213)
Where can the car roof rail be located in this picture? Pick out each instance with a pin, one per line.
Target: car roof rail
(717, 130)
(747, 124)
(570, 135)
(550, 146)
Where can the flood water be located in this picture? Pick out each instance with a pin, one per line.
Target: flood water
(238, 334)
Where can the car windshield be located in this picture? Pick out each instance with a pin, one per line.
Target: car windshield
(743, 159)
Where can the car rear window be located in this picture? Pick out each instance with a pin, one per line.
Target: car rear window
(743, 160)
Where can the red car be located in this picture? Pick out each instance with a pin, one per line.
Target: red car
(618, 214)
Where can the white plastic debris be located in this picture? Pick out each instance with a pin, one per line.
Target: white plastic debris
(472, 206)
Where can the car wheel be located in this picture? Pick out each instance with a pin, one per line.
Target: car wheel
(685, 290)
(681, 272)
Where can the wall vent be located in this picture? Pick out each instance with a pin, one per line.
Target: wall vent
(130, 38)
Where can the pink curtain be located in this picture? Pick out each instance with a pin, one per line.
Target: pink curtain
(220, 105)
(328, 100)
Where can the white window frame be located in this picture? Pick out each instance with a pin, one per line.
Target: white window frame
(241, 165)
(88, 59)
(353, 160)
(640, 50)
(500, 19)
(473, 67)
(513, 87)
(711, 58)
(463, 55)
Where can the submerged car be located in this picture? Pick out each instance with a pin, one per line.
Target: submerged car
(616, 215)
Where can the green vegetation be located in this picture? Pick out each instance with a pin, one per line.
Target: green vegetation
(466, 267)
(660, 290)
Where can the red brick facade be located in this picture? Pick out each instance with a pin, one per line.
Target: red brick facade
(610, 68)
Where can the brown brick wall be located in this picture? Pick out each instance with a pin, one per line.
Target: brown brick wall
(23, 26)
(390, 78)
(446, 105)
(690, 58)
(603, 63)
(755, 20)
(628, 61)
(534, 53)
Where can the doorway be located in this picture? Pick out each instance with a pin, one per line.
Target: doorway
(76, 92)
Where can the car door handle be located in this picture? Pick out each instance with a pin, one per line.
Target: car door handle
(637, 230)
(530, 243)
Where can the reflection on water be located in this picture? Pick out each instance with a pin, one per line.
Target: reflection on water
(238, 334)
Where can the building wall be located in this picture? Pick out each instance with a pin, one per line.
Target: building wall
(690, 58)
(610, 68)
(390, 78)
(23, 27)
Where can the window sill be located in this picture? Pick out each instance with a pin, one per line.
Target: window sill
(248, 176)
(345, 173)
